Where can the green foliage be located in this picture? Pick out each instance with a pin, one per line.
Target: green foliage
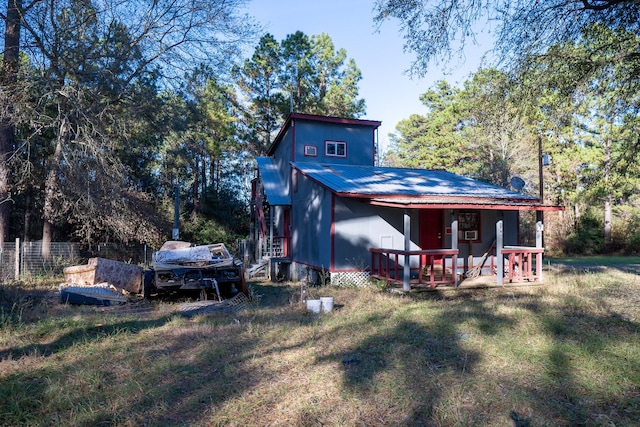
(258, 80)
(222, 219)
(626, 228)
(587, 239)
(89, 120)
(433, 141)
(477, 131)
(301, 74)
(436, 30)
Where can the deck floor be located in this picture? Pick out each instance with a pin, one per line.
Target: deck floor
(481, 282)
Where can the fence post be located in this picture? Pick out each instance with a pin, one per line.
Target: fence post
(17, 260)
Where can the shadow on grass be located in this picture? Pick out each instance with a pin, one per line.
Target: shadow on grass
(80, 335)
(423, 362)
(582, 343)
(427, 362)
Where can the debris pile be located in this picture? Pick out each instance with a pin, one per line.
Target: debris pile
(100, 282)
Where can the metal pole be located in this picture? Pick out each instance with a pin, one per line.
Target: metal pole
(540, 214)
(176, 213)
(454, 244)
(499, 256)
(17, 260)
(407, 247)
(539, 234)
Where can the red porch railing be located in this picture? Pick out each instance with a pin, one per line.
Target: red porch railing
(432, 267)
(520, 263)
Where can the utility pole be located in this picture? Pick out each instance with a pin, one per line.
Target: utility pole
(175, 235)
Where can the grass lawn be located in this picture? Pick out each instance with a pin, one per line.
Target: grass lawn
(596, 260)
(563, 354)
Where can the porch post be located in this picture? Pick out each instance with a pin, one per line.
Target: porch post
(454, 245)
(406, 286)
(500, 258)
(271, 209)
(539, 240)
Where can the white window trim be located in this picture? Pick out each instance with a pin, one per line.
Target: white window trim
(335, 144)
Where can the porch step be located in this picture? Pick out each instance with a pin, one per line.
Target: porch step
(258, 269)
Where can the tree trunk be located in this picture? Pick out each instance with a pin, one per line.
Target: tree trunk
(203, 178)
(27, 216)
(51, 191)
(10, 64)
(196, 189)
(608, 195)
(607, 224)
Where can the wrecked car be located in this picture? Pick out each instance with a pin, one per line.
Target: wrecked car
(207, 269)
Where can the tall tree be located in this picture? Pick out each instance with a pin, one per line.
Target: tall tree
(301, 74)
(96, 58)
(258, 80)
(316, 79)
(498, 131)
(298, 76)
(8, 79)
(433, 141)
(478, 131)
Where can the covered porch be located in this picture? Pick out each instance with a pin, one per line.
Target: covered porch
(448, 267)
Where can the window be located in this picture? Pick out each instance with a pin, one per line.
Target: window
(310, 150)
(336, 149)
(468, 225)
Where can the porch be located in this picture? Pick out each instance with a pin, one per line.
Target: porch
(428, 269)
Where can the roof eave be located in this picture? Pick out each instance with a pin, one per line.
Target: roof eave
(501, 206)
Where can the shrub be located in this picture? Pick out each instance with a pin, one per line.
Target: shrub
(588, 239)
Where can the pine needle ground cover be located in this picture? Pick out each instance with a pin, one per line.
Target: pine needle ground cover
(561, 354)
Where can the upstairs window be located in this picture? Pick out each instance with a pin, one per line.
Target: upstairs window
(335, 149)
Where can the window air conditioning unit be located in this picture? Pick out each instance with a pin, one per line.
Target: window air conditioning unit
(310, 150)
(471, 235)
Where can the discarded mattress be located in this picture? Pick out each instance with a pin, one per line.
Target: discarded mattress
(99, 294)
(100, 270)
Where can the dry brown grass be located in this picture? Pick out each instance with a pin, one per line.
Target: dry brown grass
(566, 353)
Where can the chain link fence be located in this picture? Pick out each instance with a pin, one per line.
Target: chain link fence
(20, 260)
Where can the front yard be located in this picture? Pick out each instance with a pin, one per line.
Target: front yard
(564, 353)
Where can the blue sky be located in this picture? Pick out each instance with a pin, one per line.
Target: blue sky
(390, 94)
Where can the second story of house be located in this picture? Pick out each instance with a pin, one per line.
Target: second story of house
(321, 139)
(306, 138)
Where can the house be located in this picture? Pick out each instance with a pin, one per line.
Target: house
(322, 208)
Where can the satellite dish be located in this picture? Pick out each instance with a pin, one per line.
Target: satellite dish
(517, 183)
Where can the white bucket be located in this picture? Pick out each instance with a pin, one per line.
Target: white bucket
(327, 304)
(313, 305)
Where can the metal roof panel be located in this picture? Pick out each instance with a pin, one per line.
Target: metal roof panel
(274, 188)
(373, 181)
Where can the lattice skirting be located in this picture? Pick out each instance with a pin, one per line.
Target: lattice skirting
(352, 278)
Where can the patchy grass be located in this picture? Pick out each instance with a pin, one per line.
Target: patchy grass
(566, 353)
(603, 260)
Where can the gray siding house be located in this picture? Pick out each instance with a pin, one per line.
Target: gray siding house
(322, 209)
